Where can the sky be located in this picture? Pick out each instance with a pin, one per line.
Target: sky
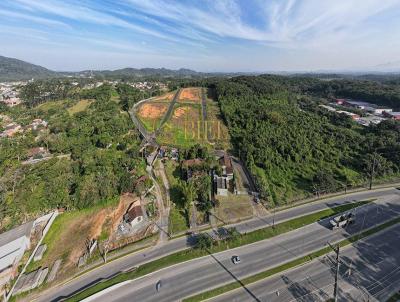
(204, 35)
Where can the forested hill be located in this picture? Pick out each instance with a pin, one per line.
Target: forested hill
(13, 69)
(292, 147)
(385, 92)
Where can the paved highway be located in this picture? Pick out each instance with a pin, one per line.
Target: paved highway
(195, 276)
(128, 262)
(369, 271)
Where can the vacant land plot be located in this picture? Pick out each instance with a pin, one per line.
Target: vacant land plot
(177, 217)
(165, 97)
(185, 127)
(233, 208)
(80, 106)
(217, 132)
(191, 95)
(151, 114)
(68, 236)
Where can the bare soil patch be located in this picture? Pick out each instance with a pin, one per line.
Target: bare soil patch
(191, 95)
(152, 111)
(180, 112)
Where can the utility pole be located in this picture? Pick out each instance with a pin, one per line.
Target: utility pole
(336, 288)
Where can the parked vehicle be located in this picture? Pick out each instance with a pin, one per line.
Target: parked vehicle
(342, 221)
(235, 259)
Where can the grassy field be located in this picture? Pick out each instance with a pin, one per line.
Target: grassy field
(184, 127)
(223, 245)
(216, 129)
(80, 106)
(233, 208)
(177, 221)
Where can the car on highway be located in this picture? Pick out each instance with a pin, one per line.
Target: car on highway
(235, 259)
(342, 221)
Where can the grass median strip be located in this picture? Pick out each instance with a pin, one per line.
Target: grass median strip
(220, 246)
(260, 276)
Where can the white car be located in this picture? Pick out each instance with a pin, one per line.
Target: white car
(235, 259)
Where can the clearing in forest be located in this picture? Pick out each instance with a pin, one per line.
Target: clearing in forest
(151, 114)
(80, 106)
(184, 128)
(191, 95)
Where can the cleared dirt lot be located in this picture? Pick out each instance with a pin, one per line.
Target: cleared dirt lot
(233, 208)
(151, 114)
(152, 110)
(70, 231)
(192, 95)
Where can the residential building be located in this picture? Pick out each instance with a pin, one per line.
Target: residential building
(13, 245)
(226, 164)
(392, 115)
(371, 119)
(358, 104)
(221, 185)
(381, 110)
(134, 215)
(223, 182)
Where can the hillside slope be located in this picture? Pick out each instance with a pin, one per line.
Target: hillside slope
(14, 69)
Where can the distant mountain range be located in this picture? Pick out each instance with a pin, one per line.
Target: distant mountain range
(135, 72)
(14, 69)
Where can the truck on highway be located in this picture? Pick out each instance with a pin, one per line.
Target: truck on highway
(342, 221)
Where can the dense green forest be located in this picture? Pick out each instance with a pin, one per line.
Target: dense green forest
(292, 147)
(100, 147)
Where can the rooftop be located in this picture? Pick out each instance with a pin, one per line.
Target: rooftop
(132, 213)
(18, 232)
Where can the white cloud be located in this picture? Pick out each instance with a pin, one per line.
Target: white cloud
(44, 21)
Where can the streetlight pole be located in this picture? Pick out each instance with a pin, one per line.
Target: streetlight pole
(336, 288)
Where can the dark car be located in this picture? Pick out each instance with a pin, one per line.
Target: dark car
(235, 259)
